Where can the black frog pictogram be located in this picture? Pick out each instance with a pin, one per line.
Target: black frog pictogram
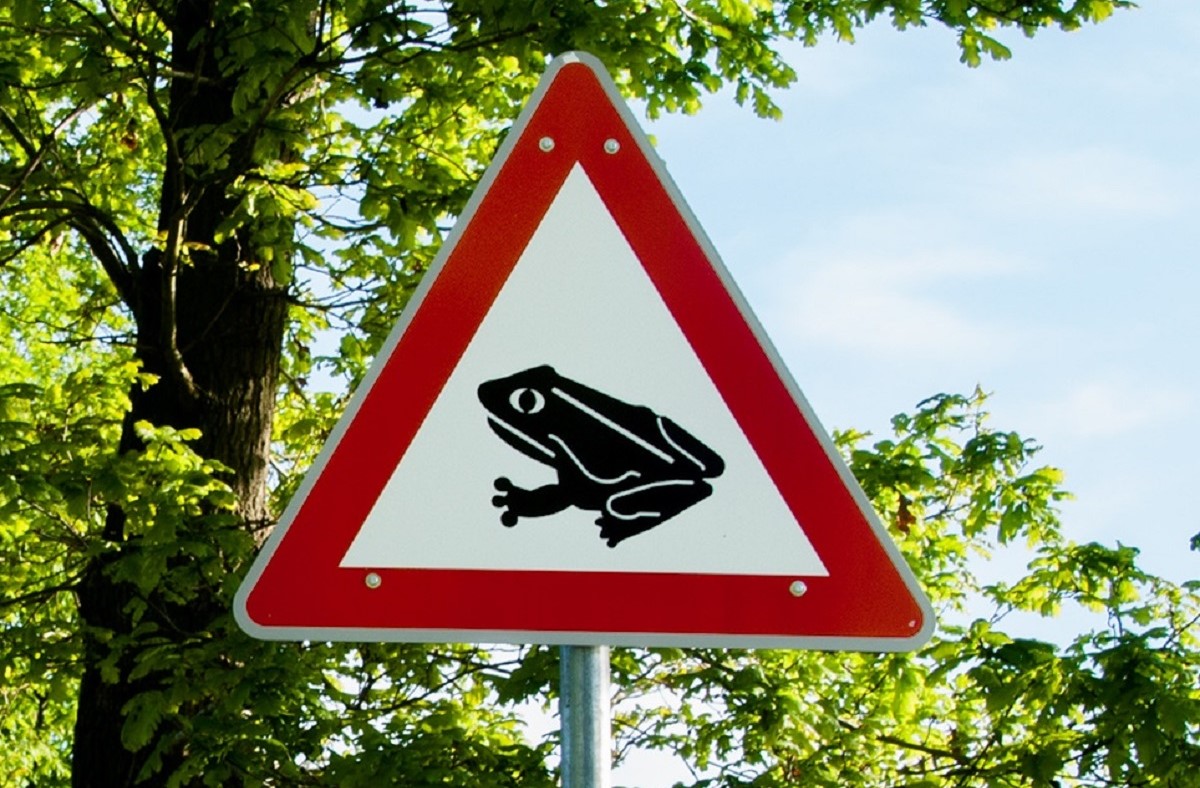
(632, 465)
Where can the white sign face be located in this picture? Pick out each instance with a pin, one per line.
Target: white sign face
(579, 301)
(577, 408)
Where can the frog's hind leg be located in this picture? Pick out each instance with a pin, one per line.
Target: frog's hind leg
(638, 509)
(518, 502)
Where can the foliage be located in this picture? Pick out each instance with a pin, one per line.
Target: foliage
(337, 139)
(979, 706)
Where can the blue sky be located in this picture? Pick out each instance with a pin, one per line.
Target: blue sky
(914, 226)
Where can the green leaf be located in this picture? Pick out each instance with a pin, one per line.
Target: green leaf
(142, 717)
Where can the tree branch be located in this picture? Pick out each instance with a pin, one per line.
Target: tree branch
(40, 595)
(896, 741)
(101, 233)
(169, 338)
(34, 154)
(32, 240)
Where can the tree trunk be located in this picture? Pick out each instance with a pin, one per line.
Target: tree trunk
(216, 352)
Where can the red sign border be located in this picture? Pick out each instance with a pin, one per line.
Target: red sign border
(296, 590)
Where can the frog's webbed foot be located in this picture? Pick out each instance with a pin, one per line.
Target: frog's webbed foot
(508, 517)
(518, 502)
(614, 531)
(640, 508)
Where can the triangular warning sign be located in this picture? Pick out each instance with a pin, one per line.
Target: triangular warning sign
(578, 434)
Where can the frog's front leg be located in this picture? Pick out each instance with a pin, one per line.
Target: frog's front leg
(518, 502)
(640, 508)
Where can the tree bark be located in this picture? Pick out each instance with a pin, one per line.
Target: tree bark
(211, 330)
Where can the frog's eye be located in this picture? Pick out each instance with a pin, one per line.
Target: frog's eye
(527, 400)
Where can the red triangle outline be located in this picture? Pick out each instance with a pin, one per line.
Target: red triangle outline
(296, 590)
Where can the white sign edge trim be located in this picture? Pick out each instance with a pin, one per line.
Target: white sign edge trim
(866, 644)
(515, 132)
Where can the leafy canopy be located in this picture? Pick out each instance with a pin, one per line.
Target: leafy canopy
(356, 130)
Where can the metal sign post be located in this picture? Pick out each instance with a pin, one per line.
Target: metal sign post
(415, 501)
(583, 708)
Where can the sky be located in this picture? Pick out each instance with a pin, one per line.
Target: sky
(913, 226)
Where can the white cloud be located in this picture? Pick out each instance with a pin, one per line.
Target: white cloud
(887, 304)
(1105, 409)
(1090, 182)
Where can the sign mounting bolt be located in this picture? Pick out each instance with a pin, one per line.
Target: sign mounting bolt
(546, 144)
(798, 588)
(373, 580)
(611, 146)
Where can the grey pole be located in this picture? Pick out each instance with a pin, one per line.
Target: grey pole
(583, 708)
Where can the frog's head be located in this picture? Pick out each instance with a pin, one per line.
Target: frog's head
(517, 406)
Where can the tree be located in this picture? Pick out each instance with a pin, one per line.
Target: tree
(1115, 706)
(194, 196)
